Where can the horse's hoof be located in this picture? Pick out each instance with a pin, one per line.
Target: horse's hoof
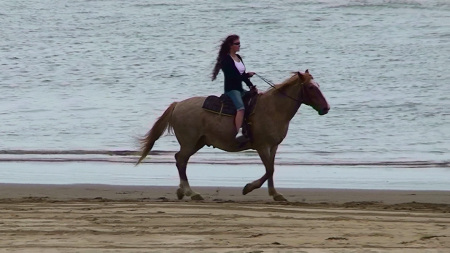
(248, 188)
(197, 197)
(279, 197)
(180, 194)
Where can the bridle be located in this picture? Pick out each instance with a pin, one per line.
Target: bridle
(299, 101)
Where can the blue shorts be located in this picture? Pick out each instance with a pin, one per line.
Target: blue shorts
(236, 97)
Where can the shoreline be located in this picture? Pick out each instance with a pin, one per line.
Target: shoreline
(206, 175)
(105, 192)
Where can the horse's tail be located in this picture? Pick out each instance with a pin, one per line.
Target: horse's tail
(157, 130)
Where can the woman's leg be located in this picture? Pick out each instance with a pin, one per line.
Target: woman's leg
(236, 97)
(239, 119)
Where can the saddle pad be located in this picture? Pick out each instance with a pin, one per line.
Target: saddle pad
(222, 105)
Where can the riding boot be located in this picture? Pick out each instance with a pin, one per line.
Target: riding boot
(245, 129)
(242, 141)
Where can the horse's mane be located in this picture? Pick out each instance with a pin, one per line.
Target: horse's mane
(286, 83)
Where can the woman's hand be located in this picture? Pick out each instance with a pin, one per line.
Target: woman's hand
(254, 90)
(250, 74)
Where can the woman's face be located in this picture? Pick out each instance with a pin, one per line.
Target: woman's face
(236, 45)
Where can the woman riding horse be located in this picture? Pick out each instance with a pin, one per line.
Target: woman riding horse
(195, 127)
(234, 72)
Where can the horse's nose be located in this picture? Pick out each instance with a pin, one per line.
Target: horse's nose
(324, 110)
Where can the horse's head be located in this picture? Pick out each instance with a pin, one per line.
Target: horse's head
(311, 95)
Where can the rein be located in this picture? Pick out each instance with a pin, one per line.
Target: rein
(273, 86)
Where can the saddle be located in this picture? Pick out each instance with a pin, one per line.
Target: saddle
(224, 106)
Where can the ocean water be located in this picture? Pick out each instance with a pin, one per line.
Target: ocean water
(82, 78)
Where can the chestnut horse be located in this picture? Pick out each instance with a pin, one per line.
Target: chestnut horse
(195, 127)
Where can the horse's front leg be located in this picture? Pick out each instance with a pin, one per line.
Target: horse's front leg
(272, 192)
(267, 156)
(267, 160)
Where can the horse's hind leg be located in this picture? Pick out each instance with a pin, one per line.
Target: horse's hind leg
(182, 158)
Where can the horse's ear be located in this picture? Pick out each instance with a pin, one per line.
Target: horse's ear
(307, 71)
(301, 76)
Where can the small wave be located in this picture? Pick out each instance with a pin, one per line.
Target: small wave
(77, 152)
(149, 5)
(400, 4)
(167, 157)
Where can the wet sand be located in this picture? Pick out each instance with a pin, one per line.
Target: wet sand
(104, 218)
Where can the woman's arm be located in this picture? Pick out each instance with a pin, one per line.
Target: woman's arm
(246, 79)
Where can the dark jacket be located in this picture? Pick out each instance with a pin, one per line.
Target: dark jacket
(233, 79)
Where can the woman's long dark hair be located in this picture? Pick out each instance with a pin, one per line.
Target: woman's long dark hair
(224, 50)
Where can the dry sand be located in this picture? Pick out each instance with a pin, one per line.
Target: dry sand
(102, 218)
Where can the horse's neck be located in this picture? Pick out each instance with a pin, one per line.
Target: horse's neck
(286, 107)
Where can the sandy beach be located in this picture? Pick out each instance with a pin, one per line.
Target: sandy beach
(105, 218)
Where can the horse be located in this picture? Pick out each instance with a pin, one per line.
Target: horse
(195, 127)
